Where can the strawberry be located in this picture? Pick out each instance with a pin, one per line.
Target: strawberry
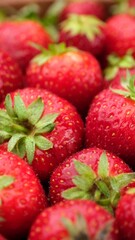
(40, 127)
(84, 32)
(110, 121)
(80, 219)
(10, 75)
(75, 70)
(84, 7)
(16, 37)
(90, 174)
(125, 215)
(2, 238)
(120, 34)
(21, 196)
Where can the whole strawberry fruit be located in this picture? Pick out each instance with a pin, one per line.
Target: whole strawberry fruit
(84, 32)
(16, 37)
(40, 127)
(10, 75)
(80, 219)
(21, 196)
(77, 76)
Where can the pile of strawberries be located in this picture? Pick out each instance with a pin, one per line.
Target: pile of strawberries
(67, 124)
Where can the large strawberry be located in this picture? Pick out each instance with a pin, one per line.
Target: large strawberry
(70, 73)
(16, 37)
(40, 127)
(10, 75)
(125, 215)
(76, 220)
(90, 174)
(110, 122)
(21, 196)
(84, 32)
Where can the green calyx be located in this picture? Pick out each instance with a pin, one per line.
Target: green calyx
(115, 63)
(122, 6)
(90, 26)
(6, 181)
(53, 50)
(24, 127)
(128, 84)
(100, 187)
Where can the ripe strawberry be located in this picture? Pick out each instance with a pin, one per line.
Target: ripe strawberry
(2, 238)
(80, 219)
(41, 127)
(120, 34)
(90, 174)
(10, 75)
(84, 32)
(125, 215)
(75, 70)
(21, 196)
(16, 36)
(110, 121)
(84, 7)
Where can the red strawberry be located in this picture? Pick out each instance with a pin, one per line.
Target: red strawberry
(84, 32)
(76, 71)
(90, 174)
(2, 238)
(84, 7)
(40, 127)
(80, 219)
(110, 121)
(21, 196)
(120, 34)
(16, 36)
(10, 75)
(125, 215)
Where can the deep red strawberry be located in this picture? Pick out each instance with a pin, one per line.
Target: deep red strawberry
(16, 36)
(125, 215)
(21, 196)
(90, 174)
(84, 32)
(10, 75)
(80, 219)
(70, 73)
(40, 127)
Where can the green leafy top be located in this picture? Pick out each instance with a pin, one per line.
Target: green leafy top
(115, 63)
(23, 126)
(122, 6)
(100, 187)
(6, 181)
(90, 26)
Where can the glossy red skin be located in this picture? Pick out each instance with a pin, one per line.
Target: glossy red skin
(66, 137)
(80, 41)
(61, 178)
(49, 221)
(110, 125)
(120, 34)
(84, 7)
(125, 217)
(23, 200)
(15, 38)
(10, 75)
(75, 76)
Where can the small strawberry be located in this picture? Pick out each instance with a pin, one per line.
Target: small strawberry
(40, 127)
(110, 122)
(16, 36)
(84, 32)
(76, 71)
(90, 174)
(76, 220)
(125, 215)
(10, 75)
(21, 196)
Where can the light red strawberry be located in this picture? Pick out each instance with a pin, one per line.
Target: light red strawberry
(40, 127)
(16, 37)
(80, 219)
(70, 73)
(22, 197)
